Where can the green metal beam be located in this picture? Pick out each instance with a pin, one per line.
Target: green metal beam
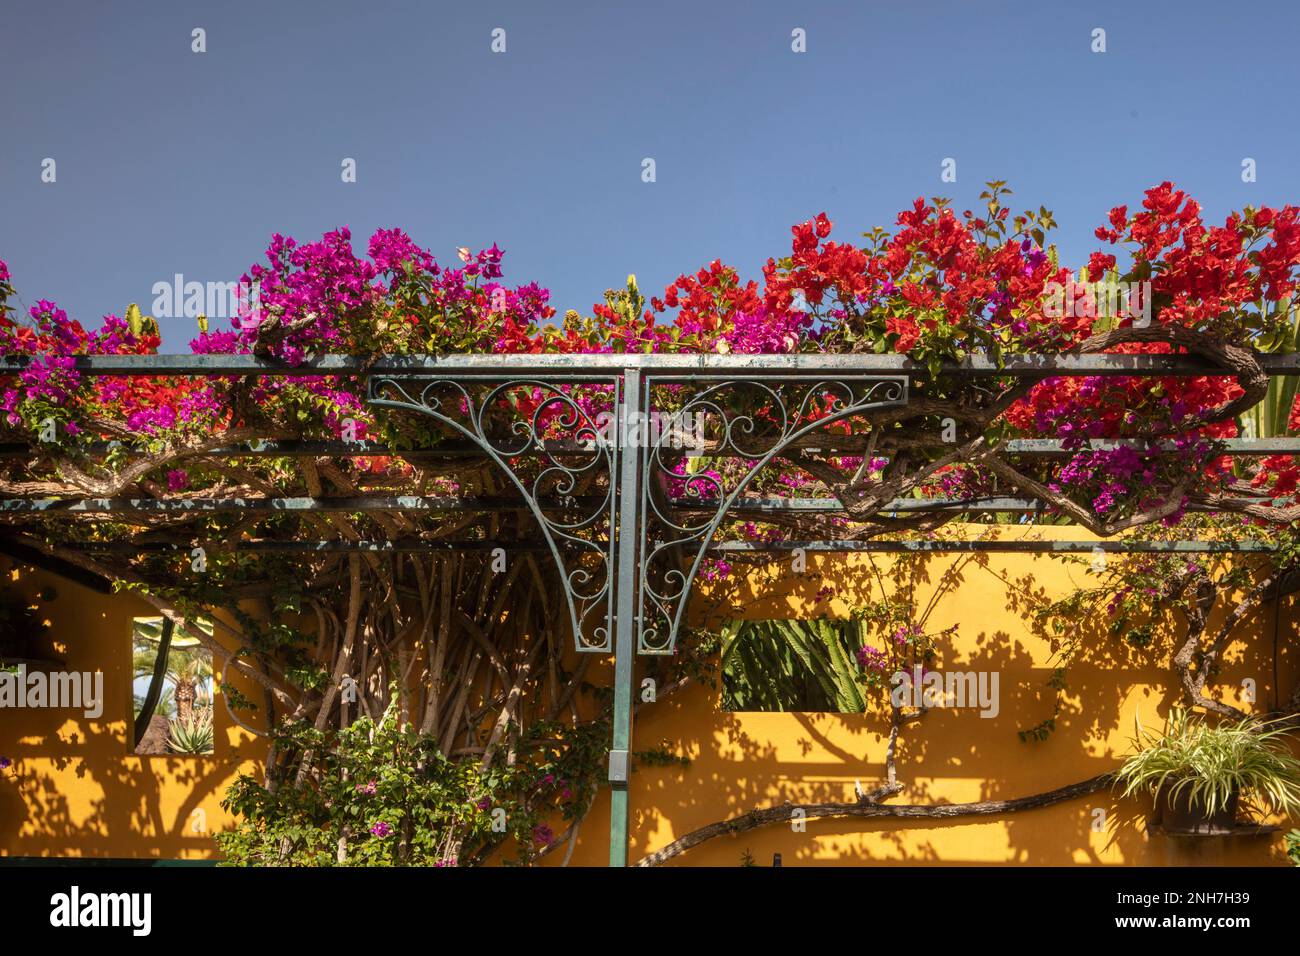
(1011, 547)
(1237, 447)
(626, 621)
(417, 545)
(293, 448)
(401, 503)
(574, 365)
(748, 507)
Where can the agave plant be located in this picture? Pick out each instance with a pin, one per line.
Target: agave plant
(192, 735)
(1211, 765)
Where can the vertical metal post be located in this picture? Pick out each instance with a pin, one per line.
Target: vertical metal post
(629, 438)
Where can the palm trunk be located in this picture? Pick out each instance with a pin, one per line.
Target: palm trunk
(154, 694)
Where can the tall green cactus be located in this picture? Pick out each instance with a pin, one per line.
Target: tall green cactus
(1271, 417)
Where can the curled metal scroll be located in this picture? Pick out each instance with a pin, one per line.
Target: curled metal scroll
(580, 539)
(750, 421)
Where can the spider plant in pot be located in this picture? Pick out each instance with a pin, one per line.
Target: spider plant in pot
(1199, 773)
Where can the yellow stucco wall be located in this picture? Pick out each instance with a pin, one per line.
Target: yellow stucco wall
(745, 760)
(74, 789)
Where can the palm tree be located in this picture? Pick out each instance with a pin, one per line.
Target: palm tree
(188, 670)
(168, 658)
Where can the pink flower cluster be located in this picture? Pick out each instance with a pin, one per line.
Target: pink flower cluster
(872, 659)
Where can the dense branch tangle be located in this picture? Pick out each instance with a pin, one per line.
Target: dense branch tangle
(469, 652)
(463, 646)
(531, 438)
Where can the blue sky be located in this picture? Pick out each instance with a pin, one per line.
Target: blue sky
(171, 162)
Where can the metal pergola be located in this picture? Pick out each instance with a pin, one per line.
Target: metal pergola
(628, 557)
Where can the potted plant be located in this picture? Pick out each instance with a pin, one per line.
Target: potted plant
(1199, 773)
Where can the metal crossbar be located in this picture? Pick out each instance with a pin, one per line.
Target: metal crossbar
(293, 448)
(746, 506)
(440, 545)
(1017, 366)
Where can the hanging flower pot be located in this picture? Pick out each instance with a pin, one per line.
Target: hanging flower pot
(1199, 771)
(1181, 813)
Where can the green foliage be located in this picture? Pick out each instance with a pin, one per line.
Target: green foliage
(165, 707)
(661, 756)
(1039, 732)
(1250, 757)
(792, 665)
(1293, 846)
(237, 700)
(377, 793)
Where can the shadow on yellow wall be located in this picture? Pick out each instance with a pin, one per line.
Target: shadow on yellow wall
(75, 790)
(740, 761)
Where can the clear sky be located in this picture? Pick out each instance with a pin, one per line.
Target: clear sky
(170, 161)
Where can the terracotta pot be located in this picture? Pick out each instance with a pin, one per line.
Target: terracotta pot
(1179, 815)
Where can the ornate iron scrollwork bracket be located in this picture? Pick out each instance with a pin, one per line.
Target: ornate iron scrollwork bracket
(709, 438)
(548, 436)
(693, 444)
